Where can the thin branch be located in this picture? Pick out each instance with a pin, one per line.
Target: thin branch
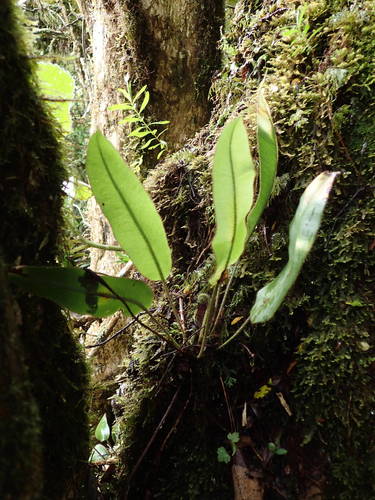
(101, 246)
(59, 99)
(119, 332)
(229, 409)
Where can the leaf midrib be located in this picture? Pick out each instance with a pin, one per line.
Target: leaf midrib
(134, 218)
(234, 198)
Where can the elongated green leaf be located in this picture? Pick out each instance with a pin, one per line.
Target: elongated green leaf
(126, 94)
(163, 122)
(83, 291)
(233, 178)
(102, 431)
(135, 222)
(268, 153)
(120, 107)
(302, 234)
(146, 145)
(145, 101)
(137, 133)
(130, 119)
(140, 92)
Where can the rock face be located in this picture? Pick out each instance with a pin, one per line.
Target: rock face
(43, 421)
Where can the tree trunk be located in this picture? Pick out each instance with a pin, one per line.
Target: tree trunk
(314, 60)
(43, 421)
(170, 46)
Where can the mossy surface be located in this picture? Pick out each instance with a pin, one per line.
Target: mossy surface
(46, 442)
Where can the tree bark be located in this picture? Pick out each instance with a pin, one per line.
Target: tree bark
(170, 46)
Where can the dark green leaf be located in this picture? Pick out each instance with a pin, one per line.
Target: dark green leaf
(84, 292)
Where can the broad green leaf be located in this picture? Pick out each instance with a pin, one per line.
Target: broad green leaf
(58, 84)
(267, 148)
(145, 101)
(82, 291)
(102, 431)
(281, 451)
(302, 234)
(233, 176)
(98, 454)
(135, 222)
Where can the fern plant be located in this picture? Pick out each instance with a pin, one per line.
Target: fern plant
(148, 133)
(139, 230)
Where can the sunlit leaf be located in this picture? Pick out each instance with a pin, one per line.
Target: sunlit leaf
(102, 431)
(302, 234)
(140, 92)
(146, 145)
(145, 101)
(57, 84)
(135, 222)
(139, 134)
(268, 153)
(232, 178)
(82, 291)
(130, 119)
(120, 107)
(126, 94)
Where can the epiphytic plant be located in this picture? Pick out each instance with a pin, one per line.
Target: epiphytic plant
(139, 230)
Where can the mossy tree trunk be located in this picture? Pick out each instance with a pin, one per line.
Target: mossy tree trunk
(43, 422)
(314, 361)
